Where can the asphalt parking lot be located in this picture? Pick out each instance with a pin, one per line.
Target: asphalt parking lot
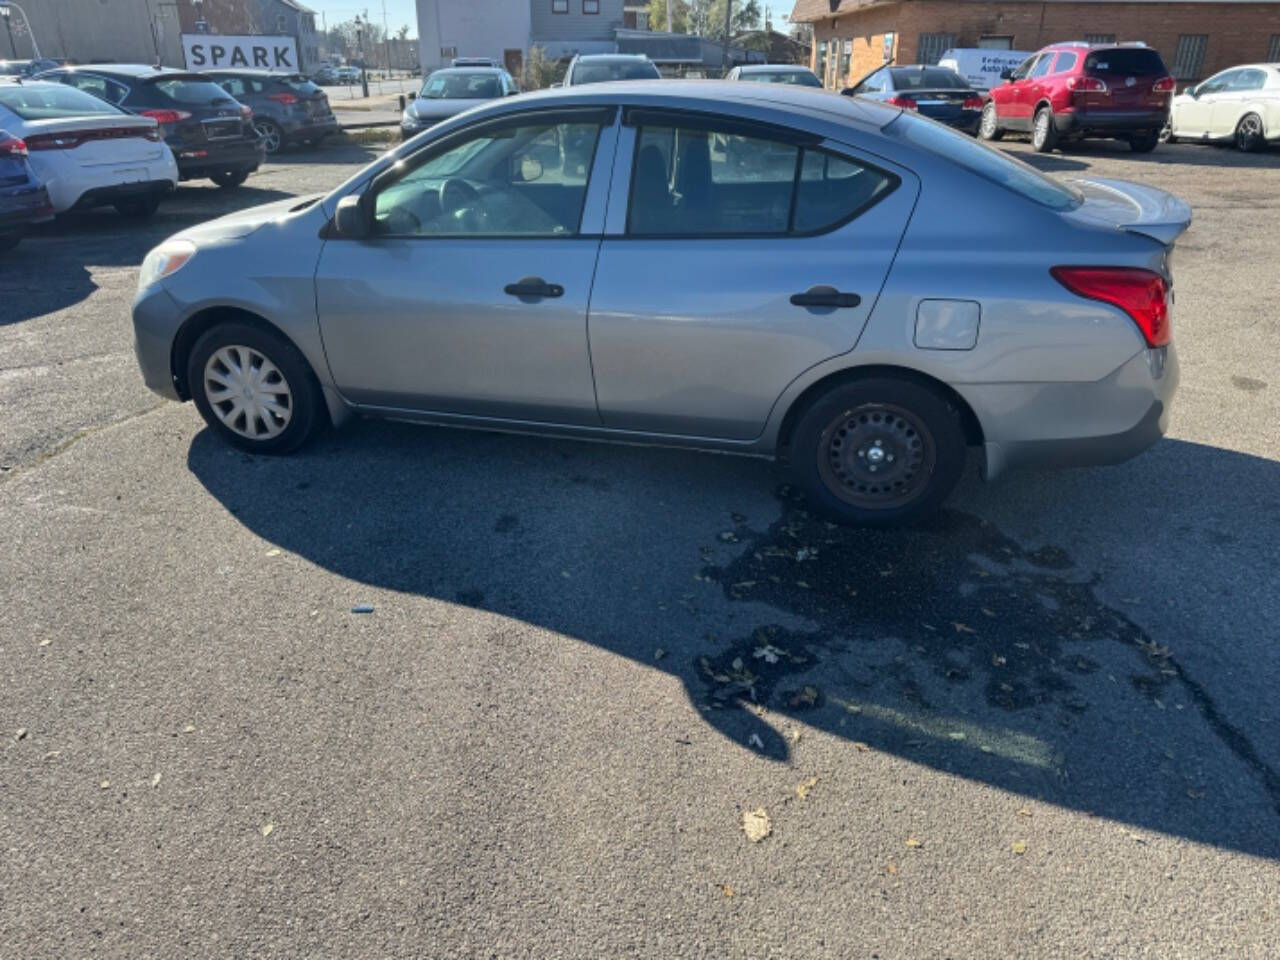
(1044, 724)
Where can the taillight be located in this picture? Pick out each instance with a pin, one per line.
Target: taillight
(1165, 85)
(288, 99)
(972, 103)
(74, 138)
(163, 117)
(12, 146)
(906, 103)
(1086, 85)
(1141, 294)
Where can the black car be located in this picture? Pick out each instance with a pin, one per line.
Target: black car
(210, 133)
(287, 107)
(938, 93)
(23, 198)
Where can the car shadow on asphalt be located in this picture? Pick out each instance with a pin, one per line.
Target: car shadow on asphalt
(1064, 159)
(949, 643)
(50, 269)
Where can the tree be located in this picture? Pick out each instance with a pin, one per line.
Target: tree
(679, 15)
(403, 33)
(539, 72)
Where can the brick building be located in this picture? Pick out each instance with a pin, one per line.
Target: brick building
(1196, 39)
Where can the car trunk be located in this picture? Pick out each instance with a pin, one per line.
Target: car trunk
(313, 102)
(945, 105)
(1133, 208)
(213, 114)
(1130, 75)
(98, 141)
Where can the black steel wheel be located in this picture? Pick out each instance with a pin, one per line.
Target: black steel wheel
(879, 451)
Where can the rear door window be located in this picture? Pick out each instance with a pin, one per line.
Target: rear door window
(101, 87)
(1249, 80)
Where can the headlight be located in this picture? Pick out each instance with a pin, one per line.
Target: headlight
(164, 261)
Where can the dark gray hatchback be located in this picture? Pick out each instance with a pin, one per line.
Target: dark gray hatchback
(288, 108)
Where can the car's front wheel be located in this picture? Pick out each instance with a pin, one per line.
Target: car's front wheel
(254, 389)
(1249, 135)
(1044, 135)
(989, 128)
(1144, 142)
(879, 451)
(229, 179)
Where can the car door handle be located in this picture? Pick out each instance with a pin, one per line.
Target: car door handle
(825, 297)
(533, 287)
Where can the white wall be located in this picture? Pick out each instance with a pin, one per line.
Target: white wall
(478, 28)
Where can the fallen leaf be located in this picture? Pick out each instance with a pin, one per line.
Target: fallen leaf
(914, 842)
(362, 608)
(728, 537)
(726, 890)
(802, 585)
(274, 552)
(266, 829)
(45, 642)
(105, 784)
(807, 696)
(769, 653)
(997, 660)
(956, 735)
(155, 781)
(893, 871)
(755, 741)
(52, 755)
(1024, 811)
(793, 736)
(962, 627)
(860, 746)
(20, 733)
(804, 789)
(988, 611)
(737, 663)
(756, 825)
(1019, 847)
(189, 728)
(659, 654)
(1194, 794)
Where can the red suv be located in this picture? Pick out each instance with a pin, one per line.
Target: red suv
(1078, 90)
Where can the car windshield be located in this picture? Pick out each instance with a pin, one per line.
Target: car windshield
(462, 86)
(602, 71)
(299, 84)
(193, 91)
(804, 78)
(52, 102)
(985, 161)
(1130, 61)
(927, 78)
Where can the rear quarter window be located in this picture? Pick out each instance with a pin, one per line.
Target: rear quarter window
(987, 162)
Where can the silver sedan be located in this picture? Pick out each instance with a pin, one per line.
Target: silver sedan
(759, 269)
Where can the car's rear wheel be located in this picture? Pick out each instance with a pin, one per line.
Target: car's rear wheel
(1144, 142)
(879, 451)
(254, 389)
(269, 134)
(139, 207)
(1044, 135)
(229, 179)
(1249, 134)
(989, 128)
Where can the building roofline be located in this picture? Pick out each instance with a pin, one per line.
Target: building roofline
(858, 6)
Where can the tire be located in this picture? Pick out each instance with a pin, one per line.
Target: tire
(270, 134)
(918, 431)
(1144, 142)
(138, 207)
(1044, 135)
(1249, 133)
(989, 125)
(229, 179)
(278, 371)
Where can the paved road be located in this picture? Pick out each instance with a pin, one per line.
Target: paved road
(1044, 724)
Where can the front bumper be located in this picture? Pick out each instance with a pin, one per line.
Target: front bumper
(201, 159)
(156, 318)
(1106, 123)
(1076, 424)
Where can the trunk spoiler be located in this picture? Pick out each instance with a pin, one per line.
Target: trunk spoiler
(1134, 208)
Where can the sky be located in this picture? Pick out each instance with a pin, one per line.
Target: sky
(398, 12)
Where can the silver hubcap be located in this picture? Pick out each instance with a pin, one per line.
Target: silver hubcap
(989, 120)
(1250, 127)
(1042, 127)
(269, 135)
(247, 392)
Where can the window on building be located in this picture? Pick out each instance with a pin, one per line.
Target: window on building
(559, 6)
(1099, 38)
(590, 6)
(992, 41)
(931, 46)
(280, 27)
(1273, 51)
(820, 60)
(689, 181)
(846, 63)
(1188, 58)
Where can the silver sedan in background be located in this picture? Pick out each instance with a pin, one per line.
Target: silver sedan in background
(761, 269)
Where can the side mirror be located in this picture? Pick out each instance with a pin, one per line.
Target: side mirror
(351, 219)
(1006, 74)
(1195, 92)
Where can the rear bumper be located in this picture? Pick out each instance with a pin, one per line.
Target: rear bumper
(1077, 424)
(1109, 122)
(967, 120)
(99, 196)
(310, 128)
(19, 207)
(200, 160)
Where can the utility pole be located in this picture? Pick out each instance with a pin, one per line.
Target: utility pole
(668, 16)
(728, 18)
(386, 37)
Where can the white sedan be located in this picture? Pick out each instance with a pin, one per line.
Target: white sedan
(1240, 105)
(88, 152)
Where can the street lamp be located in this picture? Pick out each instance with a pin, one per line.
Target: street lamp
(364, 74)
(4, 10)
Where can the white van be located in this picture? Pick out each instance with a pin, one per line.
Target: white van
(982, 67)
